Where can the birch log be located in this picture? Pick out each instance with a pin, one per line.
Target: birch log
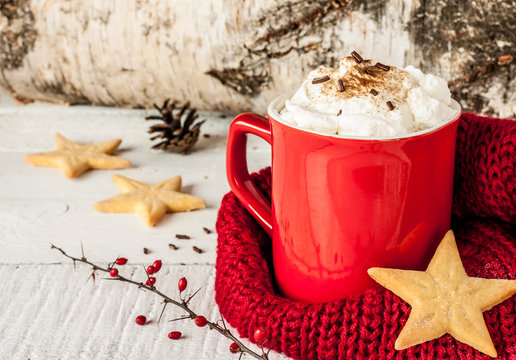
(238, 55)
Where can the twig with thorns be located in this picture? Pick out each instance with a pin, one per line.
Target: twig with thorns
(182, 303)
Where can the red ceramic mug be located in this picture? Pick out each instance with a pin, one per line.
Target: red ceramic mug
(341, 205)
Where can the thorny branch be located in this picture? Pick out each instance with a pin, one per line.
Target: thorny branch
(183, 303)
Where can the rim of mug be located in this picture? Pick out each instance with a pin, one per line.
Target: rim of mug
(273, 112)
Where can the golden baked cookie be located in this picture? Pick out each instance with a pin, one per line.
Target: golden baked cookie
(149, 202)
(444, 299)
(73, 159)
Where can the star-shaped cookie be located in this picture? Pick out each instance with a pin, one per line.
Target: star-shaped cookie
(445, 299)
(149, 202)
(73, 159)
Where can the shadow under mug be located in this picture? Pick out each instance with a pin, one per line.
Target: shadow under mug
(343, 204)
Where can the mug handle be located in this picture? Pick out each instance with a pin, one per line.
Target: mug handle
(236, 166)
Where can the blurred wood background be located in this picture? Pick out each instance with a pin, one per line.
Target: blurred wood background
(236, 55)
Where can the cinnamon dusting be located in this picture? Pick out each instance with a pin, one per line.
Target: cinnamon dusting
(358, 82)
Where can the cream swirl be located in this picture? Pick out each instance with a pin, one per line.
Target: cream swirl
(420, 101)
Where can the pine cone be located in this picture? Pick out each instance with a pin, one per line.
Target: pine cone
(179, 138)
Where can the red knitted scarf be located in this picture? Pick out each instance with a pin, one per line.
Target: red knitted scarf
(366, 327)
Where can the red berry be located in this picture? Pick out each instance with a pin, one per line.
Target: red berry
(113, 272)
(260, 335)
(150, 270)
(182, 284)
(234, 348)
(200, 321)
(151, 280)
(157, 265)
(141, 320)
(121, 261)
(174, 335)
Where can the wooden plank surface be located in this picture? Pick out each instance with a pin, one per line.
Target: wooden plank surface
(49, 311)
(52, 312)
(39, 205)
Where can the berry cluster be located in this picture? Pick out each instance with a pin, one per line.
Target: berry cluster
(151, 269)
(260, 335)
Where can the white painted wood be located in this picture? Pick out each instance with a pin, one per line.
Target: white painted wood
(39, 205)
(49, 311)
(52, 312)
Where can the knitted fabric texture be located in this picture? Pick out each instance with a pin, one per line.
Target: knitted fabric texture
(366, 327)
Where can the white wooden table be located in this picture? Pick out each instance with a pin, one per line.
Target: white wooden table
(48, 309)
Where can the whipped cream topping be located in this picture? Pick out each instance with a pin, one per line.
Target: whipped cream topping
(419, 101)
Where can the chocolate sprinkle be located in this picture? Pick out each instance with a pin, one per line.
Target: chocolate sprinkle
(197, 250)
(320, 79)
(389, 104)
(340, 112)
(340, 85)
(173, 247)
(182, 237)
(357, 57)
(146, 251)
(374, 92)
(382, 66)
(206, 230)
(369, 70)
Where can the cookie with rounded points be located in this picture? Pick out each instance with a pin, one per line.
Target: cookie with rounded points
(149, 202)
(445, 300)
(73, 159)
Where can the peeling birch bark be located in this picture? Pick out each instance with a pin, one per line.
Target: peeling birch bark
(238, 55)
